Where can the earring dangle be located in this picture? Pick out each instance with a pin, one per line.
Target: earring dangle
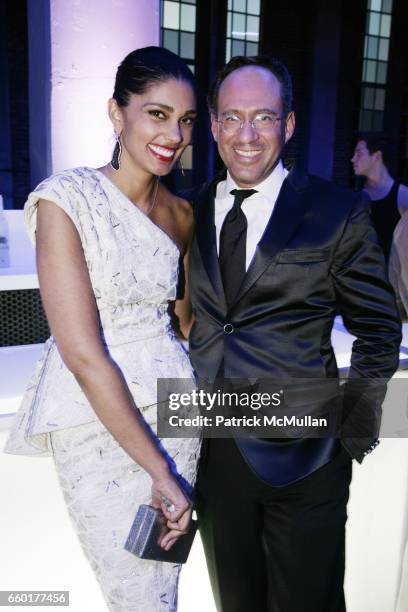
(181, 166)
(117, 151)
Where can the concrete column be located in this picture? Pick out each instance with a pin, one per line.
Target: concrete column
(72, 72)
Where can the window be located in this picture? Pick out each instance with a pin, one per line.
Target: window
(206, 34)
(375, 65)
(178, 27)
(243, 18)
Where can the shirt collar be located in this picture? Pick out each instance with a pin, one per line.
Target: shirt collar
(268, 188)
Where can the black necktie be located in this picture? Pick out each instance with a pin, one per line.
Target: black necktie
(233, 245)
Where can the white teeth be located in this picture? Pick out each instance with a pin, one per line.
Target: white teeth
(248, 153)
(162, 151)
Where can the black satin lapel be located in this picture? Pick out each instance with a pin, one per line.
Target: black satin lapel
(207, 242)
(286, 217)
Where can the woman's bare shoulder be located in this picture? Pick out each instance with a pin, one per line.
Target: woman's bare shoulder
(179, 206)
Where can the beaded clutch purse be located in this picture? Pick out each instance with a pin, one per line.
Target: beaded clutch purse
(146, 532)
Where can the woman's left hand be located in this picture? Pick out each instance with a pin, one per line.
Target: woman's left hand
(177, 529)
(175, 505)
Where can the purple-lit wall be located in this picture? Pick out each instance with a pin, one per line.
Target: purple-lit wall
(89, 38)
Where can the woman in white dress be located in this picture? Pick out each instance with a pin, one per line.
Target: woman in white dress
(109, 242)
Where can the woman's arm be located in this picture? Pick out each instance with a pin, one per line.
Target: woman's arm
(403, 199)
(72, 314)
(182, 307)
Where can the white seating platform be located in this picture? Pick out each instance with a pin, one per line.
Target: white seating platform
(17, 364)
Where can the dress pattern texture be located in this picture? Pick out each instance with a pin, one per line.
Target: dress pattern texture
(133, 266)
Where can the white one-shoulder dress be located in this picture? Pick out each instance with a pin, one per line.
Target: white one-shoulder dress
(133, 267)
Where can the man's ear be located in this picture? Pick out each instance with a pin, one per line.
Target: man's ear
(214, 126)
(289, 126)
(115, 115)
(378, 156)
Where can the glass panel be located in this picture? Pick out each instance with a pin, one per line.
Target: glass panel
(192, 68)
(238, 25)
(372, 47)
(386, 25)
(240, 5)
(387, 6)
(237, 47)
(382, 73)
(374, 24)
(379, 99)
(252, 29)
(254, 7)
(229, 24)
(188, 17)
(230, 5)
(187, 45)
(365, 45)
(368, 97)
(383, 49)
(228, 50)
(365, 121)
(375, 5)
(363, 76)
(377, 123)
(171, 40)
(190, 1)
(171, 15)
(251, 48)
(370, 71)
(188, 158)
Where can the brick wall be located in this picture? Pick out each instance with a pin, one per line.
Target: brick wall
(287, 34)
(349, 88)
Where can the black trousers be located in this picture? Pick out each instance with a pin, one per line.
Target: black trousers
(273, 549)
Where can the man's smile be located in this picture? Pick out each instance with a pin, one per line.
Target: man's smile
(247, 153)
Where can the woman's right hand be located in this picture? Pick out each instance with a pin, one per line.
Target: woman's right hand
(176, 507)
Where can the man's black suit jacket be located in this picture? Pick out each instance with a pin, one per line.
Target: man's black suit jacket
(318, 257)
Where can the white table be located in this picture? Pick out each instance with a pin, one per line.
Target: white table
(22, 271)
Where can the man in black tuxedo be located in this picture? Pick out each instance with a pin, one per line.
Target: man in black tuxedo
(275, 257)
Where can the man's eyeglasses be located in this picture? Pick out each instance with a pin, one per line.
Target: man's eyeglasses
(263, 122)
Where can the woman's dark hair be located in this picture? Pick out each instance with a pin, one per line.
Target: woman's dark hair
(278, 69)
(145, 67)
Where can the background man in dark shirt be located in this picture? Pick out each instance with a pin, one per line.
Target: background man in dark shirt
(389, 198)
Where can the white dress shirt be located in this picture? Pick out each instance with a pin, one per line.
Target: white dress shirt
(257, 208)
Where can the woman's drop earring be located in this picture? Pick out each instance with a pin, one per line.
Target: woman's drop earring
(117, 151)
(181, 166)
